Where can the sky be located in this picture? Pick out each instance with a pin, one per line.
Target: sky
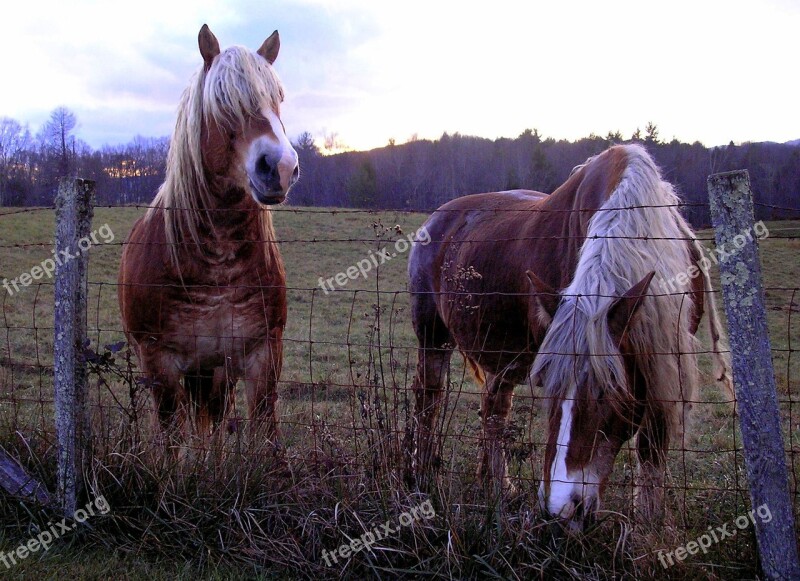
(367, 71)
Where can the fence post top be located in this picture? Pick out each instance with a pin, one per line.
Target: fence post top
(79, 182)
(732, 176)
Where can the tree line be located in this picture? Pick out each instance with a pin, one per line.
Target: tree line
(417, 175)
(32, 164)
(422, 174)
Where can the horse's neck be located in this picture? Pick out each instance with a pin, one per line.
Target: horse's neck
(588, 188)
(561, 226)
(235, 215)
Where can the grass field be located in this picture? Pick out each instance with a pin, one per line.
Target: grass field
(349, 356)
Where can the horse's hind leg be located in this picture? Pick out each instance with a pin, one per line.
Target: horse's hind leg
(222, 391)
(495, 406)
(208, 392)
(433, 359)
(199, 387)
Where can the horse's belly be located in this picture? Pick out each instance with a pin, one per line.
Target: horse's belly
(491, 329)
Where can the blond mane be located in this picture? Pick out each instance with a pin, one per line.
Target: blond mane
(240, 83)
(636, 231)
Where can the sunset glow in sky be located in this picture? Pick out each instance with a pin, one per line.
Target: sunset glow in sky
(713, 71)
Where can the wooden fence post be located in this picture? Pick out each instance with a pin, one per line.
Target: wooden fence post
(74, 213)
(753, 374)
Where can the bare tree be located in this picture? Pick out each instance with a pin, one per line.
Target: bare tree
(332, 143)
(15, 143)
(58, 142)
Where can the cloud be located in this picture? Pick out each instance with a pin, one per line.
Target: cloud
(371, 70)
(122, 67)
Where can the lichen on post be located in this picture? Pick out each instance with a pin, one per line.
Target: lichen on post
(753, 375)
(74, 214)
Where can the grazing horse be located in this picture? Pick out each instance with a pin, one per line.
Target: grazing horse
(614, 355)
(201, 283)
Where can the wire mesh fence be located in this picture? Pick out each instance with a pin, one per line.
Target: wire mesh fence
(346, 405)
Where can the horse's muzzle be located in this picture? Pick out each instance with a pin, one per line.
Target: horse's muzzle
(269, 183)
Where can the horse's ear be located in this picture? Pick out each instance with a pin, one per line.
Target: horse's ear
(209, 45)
(544, 300)
(269, 50)
(623, 311)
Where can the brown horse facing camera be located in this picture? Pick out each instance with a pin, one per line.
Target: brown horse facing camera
(614, 353)
(201, 283)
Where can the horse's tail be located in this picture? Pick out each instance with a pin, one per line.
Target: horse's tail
(477, 372)
(720, 352)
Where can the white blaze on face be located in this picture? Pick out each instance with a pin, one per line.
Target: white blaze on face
(271, 156)
(287, 156)
(568, 485)
(561, 487)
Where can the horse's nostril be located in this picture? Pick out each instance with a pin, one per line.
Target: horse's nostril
(266, 174)
(263, 167)
(578, 514)
(296, 173)
(579, 506)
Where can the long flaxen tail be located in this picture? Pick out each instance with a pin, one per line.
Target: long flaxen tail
(720, 352)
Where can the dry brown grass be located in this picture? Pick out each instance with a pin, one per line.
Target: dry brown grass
(235, 512)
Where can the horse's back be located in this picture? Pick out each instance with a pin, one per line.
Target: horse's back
(474, 263)
(472, 275)
(458, 220)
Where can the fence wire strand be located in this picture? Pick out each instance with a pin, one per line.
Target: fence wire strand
(350, 357)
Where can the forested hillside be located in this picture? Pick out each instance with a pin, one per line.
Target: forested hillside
(417, 175)
(422, 175)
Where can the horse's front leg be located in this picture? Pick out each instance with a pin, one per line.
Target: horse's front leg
(169, 396)
(652, 443)
(263, 370)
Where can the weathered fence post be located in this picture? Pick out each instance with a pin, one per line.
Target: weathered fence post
(73, 223)
(753, 375)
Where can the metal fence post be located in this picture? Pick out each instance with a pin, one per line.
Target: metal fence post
(753, 374)
(74, 213)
